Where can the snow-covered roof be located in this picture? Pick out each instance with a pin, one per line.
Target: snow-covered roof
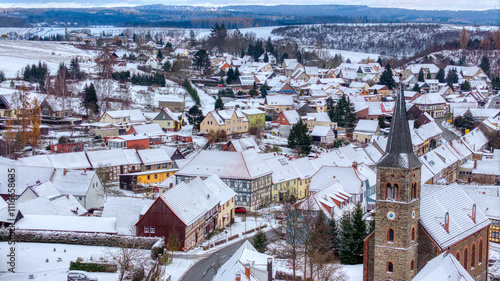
(154, 156)
(443, 267)
(321, 131)
(350, 180)
(135, 115)
(279, 100)
(71, 160)
(282, 169)
(67, 223)
(455, 202)
(247, 164)
(490, 205)
(74, 182)
(318, 116)
(216, 187)
(368, 126)
(43, 189)
(429, 99)
(59, 206)
(415, 68)
(113, 157)
(149, 129)
(292, 116)
(252, 111)
(25, 176)
(244, 144)
(126, 210)
(475, 140)
(246, 254)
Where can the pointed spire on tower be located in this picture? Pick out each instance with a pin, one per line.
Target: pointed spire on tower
(399, 151)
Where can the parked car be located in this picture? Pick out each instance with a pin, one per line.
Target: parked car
(240, 210)
(79, 276)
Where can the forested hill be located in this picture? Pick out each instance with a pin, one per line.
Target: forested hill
(238, 16)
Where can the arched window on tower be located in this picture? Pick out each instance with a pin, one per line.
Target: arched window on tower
(413, 234)
(390, 235)
(473, 256)
(388, 192)
(457, 256)
(466, 256)
(392, 192)
(480, 254)
(395, 190)
(390, 267)
(412, 265)
(414, 190)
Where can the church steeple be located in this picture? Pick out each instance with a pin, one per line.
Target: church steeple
(399, 151)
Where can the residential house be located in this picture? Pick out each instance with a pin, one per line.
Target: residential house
(247, 264)
(240, 145)
(365, 129)
(230, 121)
(285, 180)
(128, 141)
(323, 134)
(123, 119)
(275, 104)
(84, 185)
(256, 117)
(166, 120)
(245, 172)
(319, 119)
(414, 69)
(115, 162)
(153, 131)
(171, 102)
(285, 121)
(431, 103)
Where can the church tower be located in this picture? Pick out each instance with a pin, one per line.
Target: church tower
(398, 202)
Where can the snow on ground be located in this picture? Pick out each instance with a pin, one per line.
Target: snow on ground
(355, 272)
(451, 128)
(207, 101)
(177, 268)
(15, 55)
(31, 259)
(355, 57)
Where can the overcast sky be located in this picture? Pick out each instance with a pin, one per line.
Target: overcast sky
(409, 4)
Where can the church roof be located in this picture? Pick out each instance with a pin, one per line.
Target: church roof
(454, 201)
(399, 152)
(443, 267)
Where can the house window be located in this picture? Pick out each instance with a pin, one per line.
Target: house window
(152, 229)
(496, 223)
(158, 166)
(148, 167)
(164, 165)
(156, 176)
(390, 235)
(146, 229)
(149, 177)
(390, 267)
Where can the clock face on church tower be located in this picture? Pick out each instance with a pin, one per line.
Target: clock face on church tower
(413, 214)
(391, 215)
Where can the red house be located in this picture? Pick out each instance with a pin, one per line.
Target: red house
(187, 212)
(66, 147)
(288, 117)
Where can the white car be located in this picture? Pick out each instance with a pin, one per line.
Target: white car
(79, 276)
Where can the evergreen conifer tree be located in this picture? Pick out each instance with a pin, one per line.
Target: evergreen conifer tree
(219, 104)
(260, 241)
(300, 139)
(440, 75)
(387, 79)
(485, 65)
(359, 233)
(89, 100)
(346, 242)
(159, 55)
(421, 75)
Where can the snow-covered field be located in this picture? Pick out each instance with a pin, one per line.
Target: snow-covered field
(31, 260)
(15, 55)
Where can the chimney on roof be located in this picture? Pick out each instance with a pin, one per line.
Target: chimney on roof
(65, 171)
(238, 276)
(171, 185)
(355, 165)
(269, 269)
(475, 164)
(247, 270)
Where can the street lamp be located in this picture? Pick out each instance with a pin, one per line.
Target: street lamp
(217, 254)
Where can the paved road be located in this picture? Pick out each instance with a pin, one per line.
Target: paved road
(447, 134)
(205, 269)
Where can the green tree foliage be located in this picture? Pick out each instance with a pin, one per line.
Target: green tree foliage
(359, 233)
(195, 116)
(2, 76)
(148, 79)
(429, 75)
(253, 92)
(330, 108)
(416, 88)
(201, 61)
(387, 79)
(452, 77)
(121, 76)
(421, 75)
(346, 241)
(260, 241)
(74, 70)
(485, 65)
(379, 61)
(218, 37)
(166, 66)
(381, 122)
(465, 122)
(300, 139)
(37, 74)
(263, 90)
(192, 92)
(159, 55)
(465, 86)
(334, 236)
(192, 38)
(266, 57)
(344, 113)
(89, 100)
(440, 75)
(219, 104)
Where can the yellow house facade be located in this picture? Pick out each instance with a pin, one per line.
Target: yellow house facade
(231, 121)
(226, 213)
(256, 117)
